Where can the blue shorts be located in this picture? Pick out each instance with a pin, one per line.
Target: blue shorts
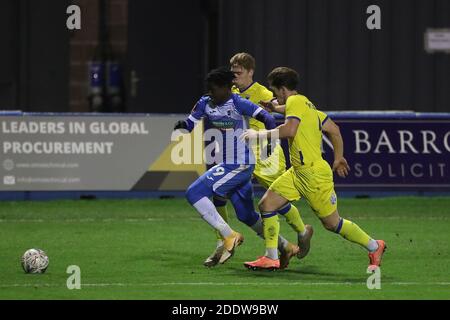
(222, 180)
(231, 182)
(226, 179)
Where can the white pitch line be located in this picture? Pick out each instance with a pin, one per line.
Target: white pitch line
(133, 220)
(86, 220)
(225, 284)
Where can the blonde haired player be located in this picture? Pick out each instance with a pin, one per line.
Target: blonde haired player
(310, 176)
(267, 169)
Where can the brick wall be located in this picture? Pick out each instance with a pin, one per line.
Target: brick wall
(84, 42)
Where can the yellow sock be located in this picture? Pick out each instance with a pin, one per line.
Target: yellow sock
(352, 232)
(224, 214)
(293, 218)
(271, 228)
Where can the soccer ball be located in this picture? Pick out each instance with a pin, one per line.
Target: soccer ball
(34, 261)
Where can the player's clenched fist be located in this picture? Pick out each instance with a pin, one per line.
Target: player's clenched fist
(341, 167)
(180, 125)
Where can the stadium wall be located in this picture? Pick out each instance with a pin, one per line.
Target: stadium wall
(34, 55)
(47, 155)
(342, 64)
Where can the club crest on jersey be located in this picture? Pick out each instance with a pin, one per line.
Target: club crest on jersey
(333, 198)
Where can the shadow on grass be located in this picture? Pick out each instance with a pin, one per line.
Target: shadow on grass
(298, 274)
(179, 259)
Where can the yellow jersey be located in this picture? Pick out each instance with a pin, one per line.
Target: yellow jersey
(305, 147)
(255, 93)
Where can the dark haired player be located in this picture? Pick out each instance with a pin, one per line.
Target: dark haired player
(226, 112)
(310, 176)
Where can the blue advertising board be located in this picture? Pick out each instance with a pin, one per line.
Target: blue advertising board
(393, 151)
(388, 152)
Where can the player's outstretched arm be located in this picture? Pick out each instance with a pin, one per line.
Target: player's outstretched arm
(195, 117)
(273, 106)
(266, 118)
(333, 133)
(187, 124)
(250, 109)
(287, 130)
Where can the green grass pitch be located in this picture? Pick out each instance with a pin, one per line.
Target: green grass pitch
(154, 249)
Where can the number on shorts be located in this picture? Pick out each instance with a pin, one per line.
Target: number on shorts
(219, 171)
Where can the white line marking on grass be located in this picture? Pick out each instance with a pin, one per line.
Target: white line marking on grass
(232, 284)
(401, 218)
(21, 220)
(85, 220)
(134, 220)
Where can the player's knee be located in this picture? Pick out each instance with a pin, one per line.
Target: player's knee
(263, 206)
(330, 225)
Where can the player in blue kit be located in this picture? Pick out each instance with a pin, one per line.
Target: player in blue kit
(231, 179)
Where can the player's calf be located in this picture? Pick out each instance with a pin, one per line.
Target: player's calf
(352, 232)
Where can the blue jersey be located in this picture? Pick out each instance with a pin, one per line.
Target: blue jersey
(230, 119)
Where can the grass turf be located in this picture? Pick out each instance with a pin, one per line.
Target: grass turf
(154, 249)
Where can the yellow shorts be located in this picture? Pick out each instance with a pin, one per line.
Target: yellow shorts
(314, 183)
(268, 170)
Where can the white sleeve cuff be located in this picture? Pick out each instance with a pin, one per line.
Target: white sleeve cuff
(193, 119)
(257, 111)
